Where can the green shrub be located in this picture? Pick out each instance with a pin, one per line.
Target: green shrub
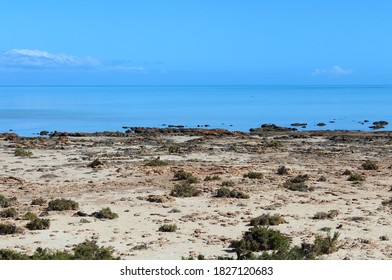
(6, 202)
(38, 224)
(189, 177)
(105, 213)
(8, 229)
(39, 201)
(185, 190)
(355, 177)
(326, 215)
(30, 216)
(225, 192)
(157, 162)
(23, 153)
(326, 245)
(9, 213)
(298, 184)
(253, 175)
(6, 254)
(89, 250)
(228, 184)
(370, 165)
(62, 205)
(267, 220)
(259, 239)
(168, 228)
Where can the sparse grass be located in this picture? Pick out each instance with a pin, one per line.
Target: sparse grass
(22, 153)
(39, 201)
(185, 190)
(62, 205)
(326, 245)
(8, 229)
(212, 178)
(355, 177)
(105, 213)
(9, 213)
(225, 192)
(274, 144)
(228, 184)
(370, 165)
(168, 228)
(174, 149)
(326, 215)
(298, 184)
(267, 220)
(38, 224)
(6, 202)
(253, 175)
(157, 162)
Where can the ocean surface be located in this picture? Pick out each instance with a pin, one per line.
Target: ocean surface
(29, 110)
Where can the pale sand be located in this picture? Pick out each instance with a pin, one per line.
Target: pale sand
(206, 225)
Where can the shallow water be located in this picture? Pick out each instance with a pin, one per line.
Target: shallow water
(28, 110)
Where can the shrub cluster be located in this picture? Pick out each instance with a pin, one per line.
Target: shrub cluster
(370, 165)
(168, 228)
(225, 192)
(185, 189)
(253, 175)
(355, 177)
(157, 162)
(88, 250)
(186, 176)
(8, 229)
(62, 205)
(9, 213)
(326, 215)
(105, 213)
(39, 201)
(228, 184)
(6, 202)
(212, 178)
(267, 220)
(22, 153)
(38, 224)
(298, 184)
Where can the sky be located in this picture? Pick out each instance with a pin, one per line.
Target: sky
(195, 42)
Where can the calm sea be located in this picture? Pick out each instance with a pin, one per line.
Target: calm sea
(29, 110)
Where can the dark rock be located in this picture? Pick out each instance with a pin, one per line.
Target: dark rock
(96, 163)
(303, 125)
(44, 133)
(271, 128)
(321, 124)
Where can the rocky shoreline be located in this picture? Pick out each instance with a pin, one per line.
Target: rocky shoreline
(136, 174)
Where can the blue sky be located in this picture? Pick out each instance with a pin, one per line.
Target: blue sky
(156, 42)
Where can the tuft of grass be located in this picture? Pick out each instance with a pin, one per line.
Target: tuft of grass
(6, 202)
(185, 190)
(157, 162)
(38, 224)
(370, 165)
(62, 205)
(267, 220)
(9, 213)
(326, 245)
(168, 228)
(30, 216)
(253, 175)
(298, 184)
(105, 213)
(326, 215)
(22, 153)
(355, 177)
(186, 176)
(225, 192)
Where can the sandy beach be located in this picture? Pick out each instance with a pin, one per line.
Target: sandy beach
(121, 178)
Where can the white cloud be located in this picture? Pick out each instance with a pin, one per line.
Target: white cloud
(30, 59)
(334, 71)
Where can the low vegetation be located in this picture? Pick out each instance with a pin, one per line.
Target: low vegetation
(253, 175)
(6, 202)
(355, 177)
(298, 184)
(227, 193)
(326, 215)
(228, 184)
(8, 229)
(185, 189)
(212, 178)
(168, 228)
(62, 205)
(267, 220)
(38, 224)
(9, 213)
(186, 176)
(282, 170)
(157, 162)
(22, 153)
(370, 165)
(39, 201)
(105, 213)
(88, 250)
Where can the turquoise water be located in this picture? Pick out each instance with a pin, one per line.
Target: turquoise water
(28, 110)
